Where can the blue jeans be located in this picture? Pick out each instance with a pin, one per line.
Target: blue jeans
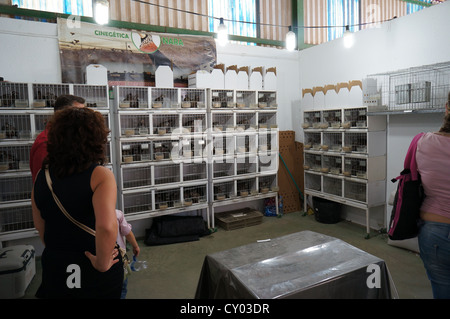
(124, 289)
(434, 245)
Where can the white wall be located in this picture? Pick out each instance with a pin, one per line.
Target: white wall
(29, 51)
(414, 40)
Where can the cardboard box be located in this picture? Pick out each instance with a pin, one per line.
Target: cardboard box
(164, 77)
(270, 79)
(256, 79)
(231, 78)
(200, 79)
(242, 80)
(217, 79)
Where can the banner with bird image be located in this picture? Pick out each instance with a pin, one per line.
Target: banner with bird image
(130, 57)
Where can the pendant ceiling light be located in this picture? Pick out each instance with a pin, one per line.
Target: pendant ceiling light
(101, 11)
(222, 33)
(348, 38)
(290, 40)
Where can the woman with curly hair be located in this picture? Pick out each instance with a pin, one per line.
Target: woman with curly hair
(76, 264)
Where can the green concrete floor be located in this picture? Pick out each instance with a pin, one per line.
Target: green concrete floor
(173, 270)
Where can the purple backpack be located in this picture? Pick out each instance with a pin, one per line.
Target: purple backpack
(408, 198)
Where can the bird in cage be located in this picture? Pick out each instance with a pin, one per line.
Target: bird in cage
(9, 99)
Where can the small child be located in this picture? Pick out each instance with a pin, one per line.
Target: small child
(125, 231)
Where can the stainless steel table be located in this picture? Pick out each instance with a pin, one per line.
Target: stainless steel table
(300, 265)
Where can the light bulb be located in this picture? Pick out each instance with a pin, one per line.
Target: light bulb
(101, 11)
(348, 38)
(290, 41)
(222, 33)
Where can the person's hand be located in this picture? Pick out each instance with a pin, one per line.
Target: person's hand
(136, 251)
(110, 263)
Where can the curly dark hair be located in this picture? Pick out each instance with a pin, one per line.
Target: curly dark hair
(76, 139)
(445, 128)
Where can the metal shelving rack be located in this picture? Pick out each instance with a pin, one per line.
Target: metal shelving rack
(25, 109)
(244, 147)
(345, 157)
(161, 157)
(158, 172)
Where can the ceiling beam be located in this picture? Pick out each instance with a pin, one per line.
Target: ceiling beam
(420, 3)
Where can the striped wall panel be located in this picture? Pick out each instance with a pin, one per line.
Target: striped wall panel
(372, 12)
(315, 14)
(274, 14)
(160, 14)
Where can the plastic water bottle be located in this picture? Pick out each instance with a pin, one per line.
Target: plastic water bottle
(137, 265)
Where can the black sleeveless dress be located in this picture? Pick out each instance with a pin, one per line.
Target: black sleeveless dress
(66, 271)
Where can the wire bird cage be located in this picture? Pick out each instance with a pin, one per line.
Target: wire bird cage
(222, 99)
(224, 190)
(333, 118)
(312, 182)
(133, 97)
(194, 171)
(14, 95)
(40, 122)
(15, 188)
(167, 198)
(193, 147)
(332, 186)
(165, 124)
(222, 122)
(246, 144)
(424, 88)
(15, 126)
(136, 152)
(193, 123)
(245, 99)
(246, 187)
(134, 124)
(45, 95)
(96, 96)
(246, 165)
(331, 164)
(312, 119)
(267, 183)
(167, 173)
(355, 190)
(137, 202)
(194, 195)
(312, 141)
(355, 118)
(15, 157)
(133, 177)
(223, 168)
(223, 145)
(355, 167)
(267, 120)
(267, 99)
(355, 143)
(16, 218)
(167, 149)
(165, 98)
(332, 142)
(245, 121)
(193, 98)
